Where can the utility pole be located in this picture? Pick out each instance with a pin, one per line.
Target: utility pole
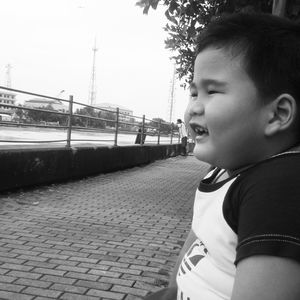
(8, 77)
(171, 101)
(279, 7)
(92, 92)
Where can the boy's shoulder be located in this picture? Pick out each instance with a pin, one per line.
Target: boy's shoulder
(274, 176)
(270, 174)
(276, 166)
(270, 188)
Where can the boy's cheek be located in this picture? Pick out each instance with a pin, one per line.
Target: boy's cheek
(187, 116)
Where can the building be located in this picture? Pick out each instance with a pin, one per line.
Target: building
(7, 98)
(46, 102)
(126, 115)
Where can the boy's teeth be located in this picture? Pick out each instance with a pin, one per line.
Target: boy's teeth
(200, 131)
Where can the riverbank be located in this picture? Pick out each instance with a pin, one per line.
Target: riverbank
(40, 165)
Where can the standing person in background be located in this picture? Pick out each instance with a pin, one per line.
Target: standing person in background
(183, 136)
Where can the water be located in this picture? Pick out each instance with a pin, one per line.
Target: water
(43, 136)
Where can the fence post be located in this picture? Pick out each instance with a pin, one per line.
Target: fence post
(70, 121)
(171, 133)
(117, 127)
(143, 129)
(158, 136)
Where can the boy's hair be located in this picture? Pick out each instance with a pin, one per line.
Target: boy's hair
(268, 45)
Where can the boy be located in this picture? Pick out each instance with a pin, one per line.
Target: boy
(183, 136)
(243, 114)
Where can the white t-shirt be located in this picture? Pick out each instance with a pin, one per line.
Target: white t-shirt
(207, 270)
(182, 130)
(239, 217)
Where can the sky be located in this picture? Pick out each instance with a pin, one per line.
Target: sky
(49, 43)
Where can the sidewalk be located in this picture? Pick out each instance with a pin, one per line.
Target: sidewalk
(112, 236)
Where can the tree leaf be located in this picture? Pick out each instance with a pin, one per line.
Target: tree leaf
(170, 18)
(154, 3)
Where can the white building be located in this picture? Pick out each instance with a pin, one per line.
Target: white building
(7, 98)
(126, 114)
(44, 102)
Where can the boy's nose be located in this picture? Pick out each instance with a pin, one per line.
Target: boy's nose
(195, 107)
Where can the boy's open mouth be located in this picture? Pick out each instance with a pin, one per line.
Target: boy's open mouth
(198, 129)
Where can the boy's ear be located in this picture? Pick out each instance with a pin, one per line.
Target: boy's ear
(282, 114)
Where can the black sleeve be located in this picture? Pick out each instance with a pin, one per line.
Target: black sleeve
(264, 205)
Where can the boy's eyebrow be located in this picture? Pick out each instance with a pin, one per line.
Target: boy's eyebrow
(193, 86)
(207, 82)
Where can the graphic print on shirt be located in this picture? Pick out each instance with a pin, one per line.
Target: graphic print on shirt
(192, 257)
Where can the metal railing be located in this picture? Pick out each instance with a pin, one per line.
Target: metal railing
(83, 124)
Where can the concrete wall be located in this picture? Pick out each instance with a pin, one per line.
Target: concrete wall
(35, 166)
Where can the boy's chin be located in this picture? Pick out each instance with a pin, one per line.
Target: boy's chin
(202, 154)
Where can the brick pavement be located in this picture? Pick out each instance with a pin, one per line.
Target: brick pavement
(112, 236)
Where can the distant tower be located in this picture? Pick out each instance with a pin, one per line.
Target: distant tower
(8, 78)
(92, 92)
(171, 101)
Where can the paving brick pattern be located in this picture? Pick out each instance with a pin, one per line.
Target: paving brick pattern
(112, 236)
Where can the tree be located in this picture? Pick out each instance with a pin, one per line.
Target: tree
(20, 114)
(109, 116)
(187, 18)
(164, 126)
(43, 116)
(82, 121)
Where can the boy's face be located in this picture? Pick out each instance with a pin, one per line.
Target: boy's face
(225, 115)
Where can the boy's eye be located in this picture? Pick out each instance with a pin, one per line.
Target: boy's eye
(193, 95)
(211, 92)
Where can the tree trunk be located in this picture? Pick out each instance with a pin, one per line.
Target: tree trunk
(279, 8)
